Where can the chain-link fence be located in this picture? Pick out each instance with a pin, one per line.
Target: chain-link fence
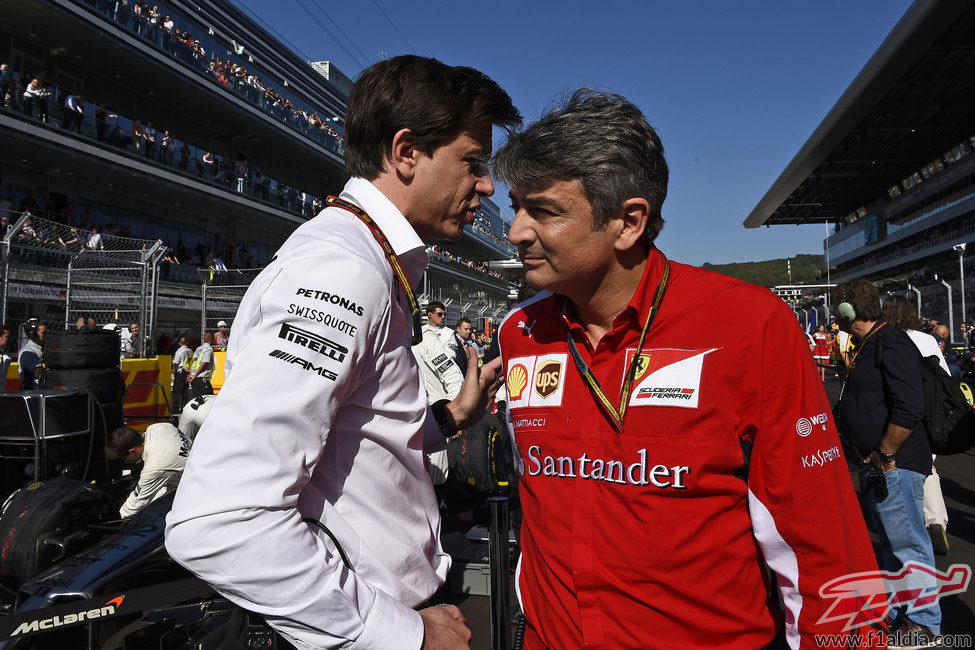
(222, 291)
(106, 277)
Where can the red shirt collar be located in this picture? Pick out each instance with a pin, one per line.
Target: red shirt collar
(636, 311)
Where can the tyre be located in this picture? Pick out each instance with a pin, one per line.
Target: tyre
(106, 384)
(88, 349)
(41, 507)
(476, 459)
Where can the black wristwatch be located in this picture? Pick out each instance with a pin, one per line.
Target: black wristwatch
(888, 458)
(442, 417)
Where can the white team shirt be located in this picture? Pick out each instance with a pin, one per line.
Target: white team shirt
(181, 358)
(442, 379)
(322, 416)
(928, 347)
(441, 376)
(163, 459)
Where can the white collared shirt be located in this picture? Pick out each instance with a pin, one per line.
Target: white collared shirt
(322, 415)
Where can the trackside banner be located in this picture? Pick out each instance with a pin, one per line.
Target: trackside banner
(96, 608)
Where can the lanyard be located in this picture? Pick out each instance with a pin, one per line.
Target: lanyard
(862, 345)
(391, 257)
(616, 415)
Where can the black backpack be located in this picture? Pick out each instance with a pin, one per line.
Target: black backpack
(948, 417)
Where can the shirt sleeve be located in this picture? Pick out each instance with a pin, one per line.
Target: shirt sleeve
(901, 369)
(235, 520)
(153, 483)
(29, 360)
(804, 512)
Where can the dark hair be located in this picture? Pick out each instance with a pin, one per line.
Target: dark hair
(120, 441)
(600, 139)
(435, 101)
(462, 320)
(3, 329)
(862, 295)
(899, 312)
(434, 305)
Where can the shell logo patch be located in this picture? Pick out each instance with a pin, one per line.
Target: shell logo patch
(548, 378)
(517, 381)
(545, 372)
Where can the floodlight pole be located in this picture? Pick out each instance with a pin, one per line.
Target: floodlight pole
(960, 249)
(911, 287)
(826, 223)
(951, 312)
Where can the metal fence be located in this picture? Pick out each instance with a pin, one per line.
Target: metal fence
(106, 277)
(222, 292)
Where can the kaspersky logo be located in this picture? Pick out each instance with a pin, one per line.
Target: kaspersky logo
(866, 598)
(517, 380)
(67, 619)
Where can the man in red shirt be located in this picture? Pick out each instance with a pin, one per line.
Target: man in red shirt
(668, 468)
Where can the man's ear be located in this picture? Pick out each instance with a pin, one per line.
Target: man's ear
(403, 154)
(635, 214)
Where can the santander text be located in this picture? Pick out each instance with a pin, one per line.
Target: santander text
(612, 471)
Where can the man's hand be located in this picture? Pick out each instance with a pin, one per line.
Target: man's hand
(444, 627)
(876, 459)
(478, 391)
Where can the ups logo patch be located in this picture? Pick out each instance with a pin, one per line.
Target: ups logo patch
(548, 377)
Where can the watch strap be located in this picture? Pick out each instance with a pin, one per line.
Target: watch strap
(444, 421)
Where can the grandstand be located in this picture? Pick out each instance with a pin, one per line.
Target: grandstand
(891, 168)
(197, 129)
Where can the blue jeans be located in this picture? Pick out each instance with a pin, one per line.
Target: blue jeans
(899, 521)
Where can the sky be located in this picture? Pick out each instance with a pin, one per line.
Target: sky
(734, 89)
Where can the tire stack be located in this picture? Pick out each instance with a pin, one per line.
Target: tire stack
(89, 360)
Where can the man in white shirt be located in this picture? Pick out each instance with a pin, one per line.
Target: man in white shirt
(95, 240)
(74, 113)
(163, 451)
(201, 368)
(307, 499)
(29, 359)
(181, 369)
(442, 378)
(5, 358)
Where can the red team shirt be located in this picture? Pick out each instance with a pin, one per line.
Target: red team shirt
(729, 459)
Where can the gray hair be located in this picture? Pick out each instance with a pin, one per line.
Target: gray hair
(600, 139)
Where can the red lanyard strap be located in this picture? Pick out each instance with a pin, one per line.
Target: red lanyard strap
(391, 257)
(615, 415)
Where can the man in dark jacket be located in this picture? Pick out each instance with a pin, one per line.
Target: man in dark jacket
(880, 417)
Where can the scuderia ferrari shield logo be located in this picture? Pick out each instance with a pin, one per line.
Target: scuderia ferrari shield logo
(642, 364)
(667, 377)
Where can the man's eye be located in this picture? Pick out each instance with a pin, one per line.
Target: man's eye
(478, 167)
